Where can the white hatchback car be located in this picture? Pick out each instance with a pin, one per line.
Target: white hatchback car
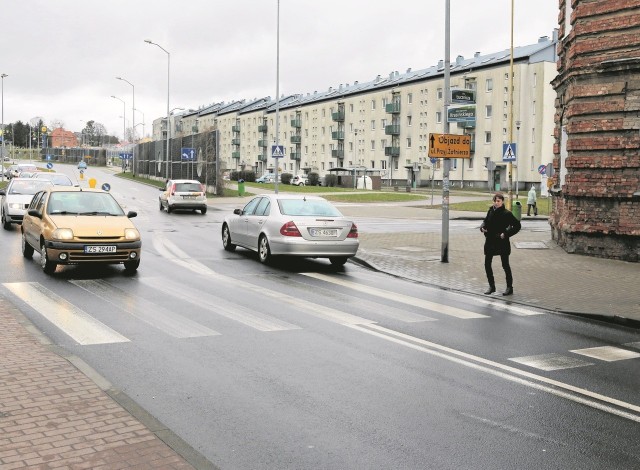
(300, 180)
(17, 197)
(183, 195)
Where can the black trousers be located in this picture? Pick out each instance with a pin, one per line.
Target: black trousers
(535, 209)
(505, 265)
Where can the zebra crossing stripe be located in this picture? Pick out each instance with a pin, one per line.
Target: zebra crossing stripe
(74, 322)
(405, 299)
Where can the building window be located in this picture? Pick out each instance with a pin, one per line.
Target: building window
(488, 109)
(384, 102)
(373, 104)
(383, 164)
(408, 142)
(533, 108)
(373, 125)
(438, 117)
(383, 123)
(409, 98)
(351, 107)
(324, 112)
(532, 163)
(533, 135)
(409, 121)
(535, 79)
(373, 145)
(351, 146)
(439, 93)
(489, 84)
(487, 137)
(471, 163)
(373, 164)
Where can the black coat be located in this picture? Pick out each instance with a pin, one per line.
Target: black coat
(496, 222)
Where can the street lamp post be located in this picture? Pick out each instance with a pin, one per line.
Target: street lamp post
(518, 123)
(148, 41)
(124, 119)
(3, 136)
(143, 131)
(133, 124)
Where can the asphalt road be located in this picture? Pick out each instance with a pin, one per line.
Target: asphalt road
(300, 365)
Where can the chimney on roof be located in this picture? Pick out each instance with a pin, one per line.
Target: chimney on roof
(330, 89)
(390, 74)
(409, 70)
(397, 74)
(543, 39)
(477, 54)
(459, 60)
(441, 64)
(356, 82)
(340, 87)
(377, 78)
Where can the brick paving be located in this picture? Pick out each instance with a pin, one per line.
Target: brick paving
(52, 416)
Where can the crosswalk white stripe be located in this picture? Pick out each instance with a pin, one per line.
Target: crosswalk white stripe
(169, 250)
(219, 306)
(405, 299)
(74, 322)
(172, 323)
(383, 310)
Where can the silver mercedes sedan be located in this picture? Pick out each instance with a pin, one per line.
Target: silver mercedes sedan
(291, 225)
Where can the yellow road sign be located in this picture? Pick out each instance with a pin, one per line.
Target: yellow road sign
(449, 146)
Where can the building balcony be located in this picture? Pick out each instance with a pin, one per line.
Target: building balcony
(392, 151)
(263, 143)
(392, 108)
(262, 158)
(392, 129)
(262, 128)
(235, 154)
(235, 128)
(338, 116)
(467, 125)
(337, 153)
(297, 123)
(337, 135)
(235, 141)
(296, 139)
(295, 155)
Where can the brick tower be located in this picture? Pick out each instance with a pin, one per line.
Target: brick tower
(596, 192)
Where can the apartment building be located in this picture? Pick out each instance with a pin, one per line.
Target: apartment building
(383, 125)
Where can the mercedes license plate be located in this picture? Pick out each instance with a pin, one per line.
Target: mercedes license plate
(100, 249)
(324, 232)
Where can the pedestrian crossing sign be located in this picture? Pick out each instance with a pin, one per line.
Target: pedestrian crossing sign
(277, 151)
(509, 152)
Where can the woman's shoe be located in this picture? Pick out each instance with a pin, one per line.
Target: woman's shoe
(509, 291)
(490, 290)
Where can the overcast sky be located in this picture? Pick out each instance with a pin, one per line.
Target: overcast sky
(62, 56)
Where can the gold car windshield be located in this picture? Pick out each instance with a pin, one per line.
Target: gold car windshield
(83, 203)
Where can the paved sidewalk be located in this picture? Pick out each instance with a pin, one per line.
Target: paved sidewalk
(54, 416)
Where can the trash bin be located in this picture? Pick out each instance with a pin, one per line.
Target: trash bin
(240, 187)
(517, 210)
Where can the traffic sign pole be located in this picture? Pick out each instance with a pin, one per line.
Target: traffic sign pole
(444, 255)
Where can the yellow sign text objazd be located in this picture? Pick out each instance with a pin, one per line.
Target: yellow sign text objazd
(449, 146)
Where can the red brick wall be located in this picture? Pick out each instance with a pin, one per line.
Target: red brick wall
(598, 85)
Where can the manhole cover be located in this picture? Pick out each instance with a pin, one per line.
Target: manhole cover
(531, 245)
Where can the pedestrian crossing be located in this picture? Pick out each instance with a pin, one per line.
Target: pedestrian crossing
(125, 298)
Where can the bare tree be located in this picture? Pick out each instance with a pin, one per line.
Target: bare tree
(56, 123)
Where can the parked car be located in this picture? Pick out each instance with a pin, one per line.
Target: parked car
(267, 178)
(82, 165)
(15, 170)
(294, 225)
(300, 180)
(184, 195)
(73, 225)
(58, 179)
(17, 197)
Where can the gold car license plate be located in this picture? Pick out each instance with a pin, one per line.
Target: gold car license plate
(100, 249)
(324, 232)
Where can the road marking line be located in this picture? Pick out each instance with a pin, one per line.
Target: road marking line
(219, 306)
(405, 299)
(554, 387)
(164, 320)
(170, 251)
(549, 362)
(607, 353)
(386, 310)
(74, 322)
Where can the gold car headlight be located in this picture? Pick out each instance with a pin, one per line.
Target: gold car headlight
(15, 205)
(131, 234)
(62, 234)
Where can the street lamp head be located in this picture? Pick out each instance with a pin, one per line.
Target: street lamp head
(118, 78)
(4, 75)
(148, 41)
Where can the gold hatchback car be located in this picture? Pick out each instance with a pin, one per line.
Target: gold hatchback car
(73, 225)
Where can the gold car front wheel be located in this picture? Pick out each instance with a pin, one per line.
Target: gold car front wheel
(48, 266)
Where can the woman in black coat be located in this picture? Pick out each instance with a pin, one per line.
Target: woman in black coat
(498, 227)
